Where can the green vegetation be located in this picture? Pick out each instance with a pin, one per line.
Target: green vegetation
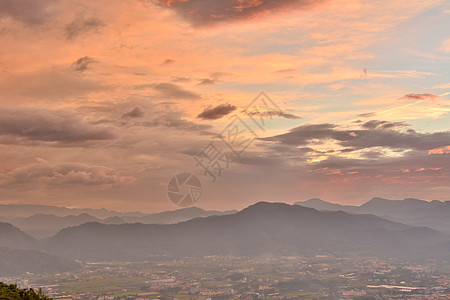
(11, 292)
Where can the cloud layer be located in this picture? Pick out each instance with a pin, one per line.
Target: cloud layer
(31, 12)
(63, 174)
(37, 124)
(209, 12)
(375, 134)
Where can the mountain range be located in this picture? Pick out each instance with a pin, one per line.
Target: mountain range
(258, 230)
(433, 214)
(43, 225)
(19, 254)
(261, 229)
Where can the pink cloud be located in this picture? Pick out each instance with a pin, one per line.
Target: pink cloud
(442, 150)
(419, 96)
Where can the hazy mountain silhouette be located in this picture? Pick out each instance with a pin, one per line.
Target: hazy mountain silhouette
(319, 204)
(263, 228)
(12, 213)
(13, 237)
(175, 216)
(19, 254)
(45, 225)
(25, 210)
(113, 220)
(434, 214)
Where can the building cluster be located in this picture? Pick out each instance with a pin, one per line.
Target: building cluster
(225, 277)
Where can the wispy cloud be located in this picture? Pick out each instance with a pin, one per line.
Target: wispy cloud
(170, 91)
(81, 25)
(214, 113)
(419, 96)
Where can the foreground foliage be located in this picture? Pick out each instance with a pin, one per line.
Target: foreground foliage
(11, 292)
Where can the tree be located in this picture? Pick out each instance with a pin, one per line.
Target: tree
(11, 292)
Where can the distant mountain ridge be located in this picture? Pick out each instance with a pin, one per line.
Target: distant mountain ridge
(27, 210)
(43, 225)
(434, 214)
(19, 254)
(13, 237)
(263, 228)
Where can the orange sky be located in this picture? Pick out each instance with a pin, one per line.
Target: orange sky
(102, 102)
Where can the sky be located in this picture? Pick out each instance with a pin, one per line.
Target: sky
(103, 102)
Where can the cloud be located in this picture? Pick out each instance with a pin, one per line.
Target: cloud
(63, 174)
(273, 113)
(81, 25)
(375, 134)
(171, 91)
(367, 115)
(419, 96)
(174, 121)
(34, 12)
(208, 81)
(181, 79)
(442, 150)
(169, 62)
(214, 113)
(374, 124)
(200, 12)
(136, 112)
(82, 64)
(61, 126)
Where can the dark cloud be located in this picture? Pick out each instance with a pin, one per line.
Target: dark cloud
(172, 91)
(373, 136)
(374, 124)
(273, 113)
(175, 122)
(214, 113)
(136, 112)
(169, 62)
(200, 12)
(65, 127)
(81, 25)
(304, 134)
(82, 64)
(32, 12)
(419, 96)
(63, 174)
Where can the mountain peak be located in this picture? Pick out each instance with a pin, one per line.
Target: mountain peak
(262, 205)
(315, 200)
